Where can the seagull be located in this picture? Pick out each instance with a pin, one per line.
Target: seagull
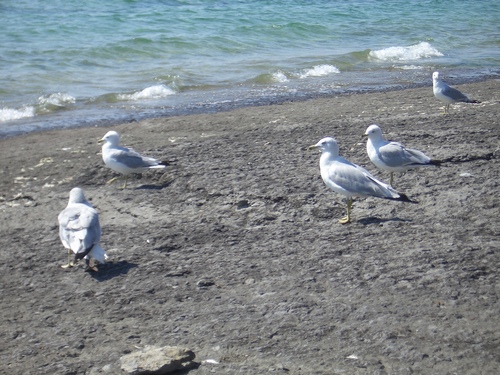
(393, 156)
(125, 160)
(80, 231)
(448, 94)
(349, 179)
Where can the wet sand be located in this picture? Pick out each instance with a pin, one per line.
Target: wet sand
(235, 250)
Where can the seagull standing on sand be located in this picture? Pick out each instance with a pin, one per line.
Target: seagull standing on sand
(393, 156)
(448, 94)
(350, 180)
(124, 160)
(80, 231)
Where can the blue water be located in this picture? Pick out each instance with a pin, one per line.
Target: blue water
(86, 63)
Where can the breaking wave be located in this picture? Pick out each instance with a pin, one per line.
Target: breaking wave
(9, 114)
(152, 92)
(319, 71)
(422, 50)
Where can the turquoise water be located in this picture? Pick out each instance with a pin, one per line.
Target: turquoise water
(85, 63)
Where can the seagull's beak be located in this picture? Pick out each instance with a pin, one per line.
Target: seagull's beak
(101, 140)
(312, 147)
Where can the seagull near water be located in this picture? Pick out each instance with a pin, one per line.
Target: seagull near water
(80, 231)
(448, 94)
(125, 160)
(393, 156)
(349, 179)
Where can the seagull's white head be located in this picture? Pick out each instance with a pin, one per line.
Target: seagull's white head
(76, 196)
(374, 132)
(435, 76)
(111, 137)
(329, 145)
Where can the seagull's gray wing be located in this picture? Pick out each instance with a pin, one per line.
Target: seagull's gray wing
(357, 181)
(132, 159)
(454, 94)
(394, 154)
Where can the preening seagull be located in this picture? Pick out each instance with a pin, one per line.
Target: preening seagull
(125, 160)
(351, 180)
(448, 94)
(80, 231)
(393, 156)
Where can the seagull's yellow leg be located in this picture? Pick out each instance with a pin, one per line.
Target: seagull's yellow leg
(117, 178)
(70, 263)
(347, 219)
(447, 109)
(112, 180)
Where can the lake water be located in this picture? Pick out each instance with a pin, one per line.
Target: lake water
(86, 63)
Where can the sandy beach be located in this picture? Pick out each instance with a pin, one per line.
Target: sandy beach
(235, 251)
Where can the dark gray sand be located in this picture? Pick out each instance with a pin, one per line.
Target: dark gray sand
(235, 251)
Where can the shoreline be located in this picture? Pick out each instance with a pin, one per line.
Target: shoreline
(31, 125)
(235, 252)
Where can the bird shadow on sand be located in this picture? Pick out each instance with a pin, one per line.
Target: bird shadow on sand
(160, 185)
(110, 270)
(195, 366)
(153, 187)
(378, 220)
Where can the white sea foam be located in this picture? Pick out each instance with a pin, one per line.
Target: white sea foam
(411, 67)
(418, 51)
(152, 92)
(58, 99)
(319, 70)
(279, 76)
(9, 114)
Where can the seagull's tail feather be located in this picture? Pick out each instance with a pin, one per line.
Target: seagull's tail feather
(156, 164)
(404, 198)
(465, 98)
(82, 254)
(99, 254)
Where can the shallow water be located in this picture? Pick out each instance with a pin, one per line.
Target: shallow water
(70, 63)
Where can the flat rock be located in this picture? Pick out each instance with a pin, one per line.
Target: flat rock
(157, 361)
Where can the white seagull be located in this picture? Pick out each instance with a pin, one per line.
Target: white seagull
(80, 231)
(351, 180)
(448, 94)
(125, 160)
(393, 156)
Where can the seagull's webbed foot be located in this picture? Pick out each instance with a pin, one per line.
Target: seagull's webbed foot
(70, 263)
(347, 219)
(91, 267)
